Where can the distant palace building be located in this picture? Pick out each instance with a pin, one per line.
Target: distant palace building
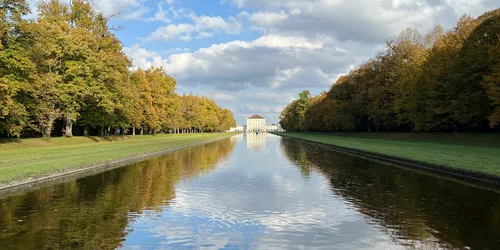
(274, 128)
(256, 123)
(240, 128)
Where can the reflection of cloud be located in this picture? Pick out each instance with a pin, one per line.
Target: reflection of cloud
(256, 141)
(259, 200)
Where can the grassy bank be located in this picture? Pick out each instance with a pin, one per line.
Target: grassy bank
(22, 159)
(473, 152)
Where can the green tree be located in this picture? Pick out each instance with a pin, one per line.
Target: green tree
(492, 82)
(469, 100)
(16, 67)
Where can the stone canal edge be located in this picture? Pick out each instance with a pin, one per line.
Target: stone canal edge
(472, 177)
(32, 182)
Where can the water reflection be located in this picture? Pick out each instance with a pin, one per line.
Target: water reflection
(231, 194)
(416, 209)
(256, 141)
(94, 212)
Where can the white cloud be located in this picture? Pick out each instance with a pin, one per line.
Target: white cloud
(160, 15)
(266, 19)
(181, 31)
(223, 97)
(269, 61)
(143, 58)
(282, 98)
(255, 108)
(301, 44)
(124, 9)
(201, 26)
(368, 21)
(217, 23)
(128, 9)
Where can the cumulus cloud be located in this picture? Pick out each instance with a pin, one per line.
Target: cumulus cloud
(223, 97)
(269, 61)
(251, 108)
(161, 15)
(368, 21)
(124, 9)
(300, 44)
(282, 98)
(201, 26)
(143, 58)
(128, 9)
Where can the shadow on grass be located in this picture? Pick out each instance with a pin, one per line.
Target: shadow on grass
(109, 138)
(10, 140)
(92, 138)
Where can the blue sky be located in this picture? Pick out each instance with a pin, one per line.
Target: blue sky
(254, 56)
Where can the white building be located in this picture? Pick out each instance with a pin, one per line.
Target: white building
(256, 123)
(274, 128)
(239, 128)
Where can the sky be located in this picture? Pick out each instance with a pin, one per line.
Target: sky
(255, 56)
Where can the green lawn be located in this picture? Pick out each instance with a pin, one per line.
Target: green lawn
(20, 159)
(475, 152)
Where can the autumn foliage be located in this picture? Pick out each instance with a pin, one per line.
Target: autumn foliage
(68, 68)
(441, 81)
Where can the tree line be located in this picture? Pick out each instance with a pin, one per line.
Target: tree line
(440, 81)
(67, 69)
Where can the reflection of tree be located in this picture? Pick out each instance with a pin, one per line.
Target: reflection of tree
(93, 212)
(411, 205)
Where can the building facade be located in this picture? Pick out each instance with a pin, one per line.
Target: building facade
(256, 123)
(274, 128)
(239, 128)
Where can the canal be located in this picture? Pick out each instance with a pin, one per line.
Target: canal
(253, 192)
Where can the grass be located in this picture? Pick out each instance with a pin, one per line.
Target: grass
(22, 159)
(473, 152)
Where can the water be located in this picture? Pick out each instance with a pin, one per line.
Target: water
(253, 192)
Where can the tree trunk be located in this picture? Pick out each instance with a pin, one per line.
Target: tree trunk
(457, 128)
(101, 131)
(46, 131)
(133, 130)
(68, 120)
(86, 130)
(47, 128)
(142, 131)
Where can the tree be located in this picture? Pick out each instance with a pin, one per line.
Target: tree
(492, 82)
(15, 66)
(469, 100)
(68, 65)
(436, 82)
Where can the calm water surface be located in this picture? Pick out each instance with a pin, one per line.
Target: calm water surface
(253, 192)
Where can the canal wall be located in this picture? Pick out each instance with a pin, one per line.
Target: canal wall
(57, 177)
(473, 177)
